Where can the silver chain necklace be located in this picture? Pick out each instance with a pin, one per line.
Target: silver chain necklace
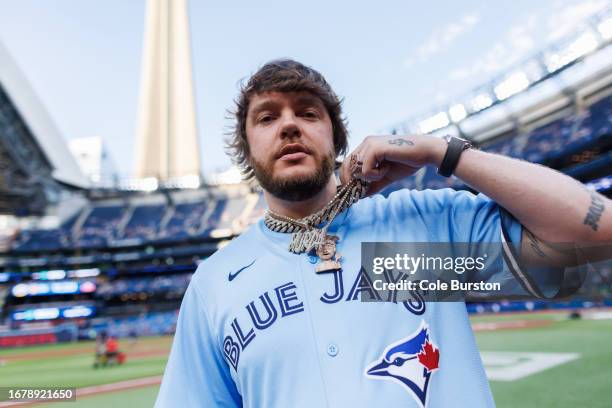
(308, 236)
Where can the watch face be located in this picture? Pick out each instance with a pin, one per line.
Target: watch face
(466, 144)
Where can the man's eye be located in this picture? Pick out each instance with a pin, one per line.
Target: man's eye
(311, 114)
(265, 118)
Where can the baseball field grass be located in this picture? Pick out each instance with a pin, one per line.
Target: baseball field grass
(583, 382)
(510, 343)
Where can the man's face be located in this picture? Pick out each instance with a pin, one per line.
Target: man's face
(291, 145)
(326, 250)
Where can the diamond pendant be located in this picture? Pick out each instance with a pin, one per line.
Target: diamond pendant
(326, 251)
(305, 241)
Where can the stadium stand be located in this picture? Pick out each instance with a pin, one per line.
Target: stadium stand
(222, 221)
(144, 222)
(214, 217)
(145, 324)
(171, 286)
(184, 222)
(135, 251)
(547, 144)
(46, 240)
(102, 224)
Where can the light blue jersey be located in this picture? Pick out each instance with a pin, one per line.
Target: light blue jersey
(259, 328)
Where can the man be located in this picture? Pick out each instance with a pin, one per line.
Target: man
(259, 327)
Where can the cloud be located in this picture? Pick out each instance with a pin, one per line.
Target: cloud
(533, 33)
(443, 39)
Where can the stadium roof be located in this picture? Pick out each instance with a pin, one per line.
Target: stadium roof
(560, 60)
(40, 124)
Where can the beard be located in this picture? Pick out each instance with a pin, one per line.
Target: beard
(297, 188)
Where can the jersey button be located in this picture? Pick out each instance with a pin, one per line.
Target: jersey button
(332, 350)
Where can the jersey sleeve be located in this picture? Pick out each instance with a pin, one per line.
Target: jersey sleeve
(196, 374)
(463, 217)
(456, 216)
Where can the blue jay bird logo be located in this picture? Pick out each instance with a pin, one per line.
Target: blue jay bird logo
(409, 362)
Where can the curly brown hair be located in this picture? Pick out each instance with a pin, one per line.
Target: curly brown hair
(282, 75)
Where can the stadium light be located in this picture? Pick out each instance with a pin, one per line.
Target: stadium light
(581, 46)
(192, 181)
(20, 290)
(149, 184)
(457, 112)
(605, 28)
(49, 275)
(512, 85)
(37, 314)
(229, 176)
(84, 273)
(77, 311)
(437, 121)
(144, 184)
(601, 184)
(480, 102)
(534, 69)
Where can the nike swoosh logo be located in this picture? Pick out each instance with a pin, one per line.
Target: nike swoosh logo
(233, 275)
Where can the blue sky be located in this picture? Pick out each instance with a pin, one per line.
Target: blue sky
(389, 59)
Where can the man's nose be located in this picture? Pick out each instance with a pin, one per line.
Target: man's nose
(289, 127)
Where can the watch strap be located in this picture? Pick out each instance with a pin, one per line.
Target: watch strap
(455, 147)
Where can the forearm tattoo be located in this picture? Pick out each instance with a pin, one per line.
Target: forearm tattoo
(401, 142)
(596, 208)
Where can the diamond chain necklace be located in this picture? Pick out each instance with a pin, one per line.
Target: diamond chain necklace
(307, 235)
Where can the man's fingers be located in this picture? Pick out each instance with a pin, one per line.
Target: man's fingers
(346, 171)
(372, 169)
(352, 164)
(376, 174)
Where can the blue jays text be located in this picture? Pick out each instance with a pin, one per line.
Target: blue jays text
(265, 311)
